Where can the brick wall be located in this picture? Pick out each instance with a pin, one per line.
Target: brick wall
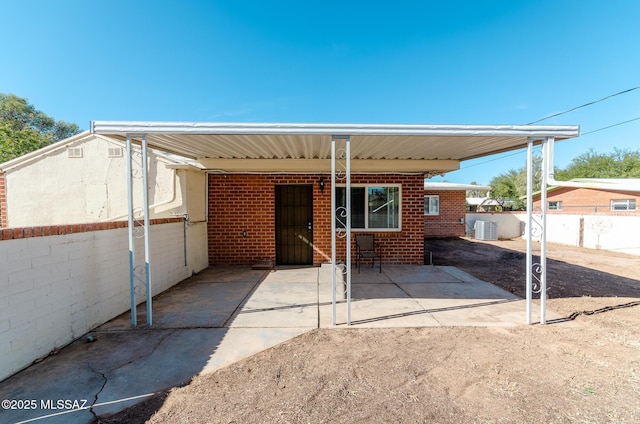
(452, 209)
(56, 230)
(3, 200)
(588, 201)
(246, 202)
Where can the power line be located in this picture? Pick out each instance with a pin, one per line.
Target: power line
(518, 152)
(584, 105)
(610, 126)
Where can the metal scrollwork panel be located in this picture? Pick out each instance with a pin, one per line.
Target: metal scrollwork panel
(139, 286)
(136, 161)
(341, 165)
(138, 219)
(536, 281)
(341, 217)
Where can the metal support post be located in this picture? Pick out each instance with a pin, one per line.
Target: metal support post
(343, 215)
(529, 227)
(333, 229)
(147, 225)
(547, 161)
(348, 240)
(132, 258)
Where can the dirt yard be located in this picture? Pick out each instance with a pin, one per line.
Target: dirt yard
(583, 369)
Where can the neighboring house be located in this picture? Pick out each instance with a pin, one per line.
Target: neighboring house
(83, 180)
(601, 197)
(445, 208)
(483, 204)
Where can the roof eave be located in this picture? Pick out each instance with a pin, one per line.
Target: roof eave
(155, 127)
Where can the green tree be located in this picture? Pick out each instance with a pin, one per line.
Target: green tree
(476, 192)
(506, 187)
(512, 185)
(622, 163)
(24, 129)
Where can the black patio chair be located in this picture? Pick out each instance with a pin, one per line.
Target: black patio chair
(367, 248)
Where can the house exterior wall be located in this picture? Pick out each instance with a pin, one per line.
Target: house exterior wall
(56, 189)
(246, 202)
(3, 200)
(588, 201)
(59, 282)
(450, 221)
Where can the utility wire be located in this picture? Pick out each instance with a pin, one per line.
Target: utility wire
(584, 105)
(610, 126)
(518, 152)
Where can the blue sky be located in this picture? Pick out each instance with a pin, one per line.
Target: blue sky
(444, 62)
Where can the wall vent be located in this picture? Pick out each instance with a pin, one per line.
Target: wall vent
(74, 152)
(114, 152)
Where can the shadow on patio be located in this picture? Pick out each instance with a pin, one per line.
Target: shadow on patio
(222, 315)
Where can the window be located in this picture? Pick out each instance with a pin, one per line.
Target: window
(432, 205)
(372, 207)
(623, 205)
(555, 206)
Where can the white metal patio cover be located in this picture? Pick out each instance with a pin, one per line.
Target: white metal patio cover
(311, 147)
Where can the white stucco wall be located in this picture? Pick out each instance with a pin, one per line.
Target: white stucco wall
(508, 224)
(618, 233)
(54, 289)
(55, 189)
(615, 233)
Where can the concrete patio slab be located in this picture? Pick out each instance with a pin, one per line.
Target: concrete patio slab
(223, 315)
(421, 274)
(279, 304)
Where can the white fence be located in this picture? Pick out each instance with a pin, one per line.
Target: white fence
(615, 233)
(54, 289)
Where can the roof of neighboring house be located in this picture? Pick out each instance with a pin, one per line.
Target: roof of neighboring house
(610, 184)
(70, 141)
(482, 201)
(237, 147)
(444, 186)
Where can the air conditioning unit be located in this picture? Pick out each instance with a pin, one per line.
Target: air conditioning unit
(485, 230)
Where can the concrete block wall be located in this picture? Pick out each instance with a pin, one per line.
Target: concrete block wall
(450, 221)
(509, 225)
(55, 288)
(615, 233)
(246, 202)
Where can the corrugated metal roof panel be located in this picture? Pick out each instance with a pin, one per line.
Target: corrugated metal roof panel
(312, 141)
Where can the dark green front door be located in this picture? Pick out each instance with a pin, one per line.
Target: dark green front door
(294, 225)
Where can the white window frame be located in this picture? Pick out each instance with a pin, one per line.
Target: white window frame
(366, 208)
(427, 198)
(626, 203)
(558, 205)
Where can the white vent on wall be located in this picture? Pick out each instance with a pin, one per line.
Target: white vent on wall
(114, 152)
(74, 152)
